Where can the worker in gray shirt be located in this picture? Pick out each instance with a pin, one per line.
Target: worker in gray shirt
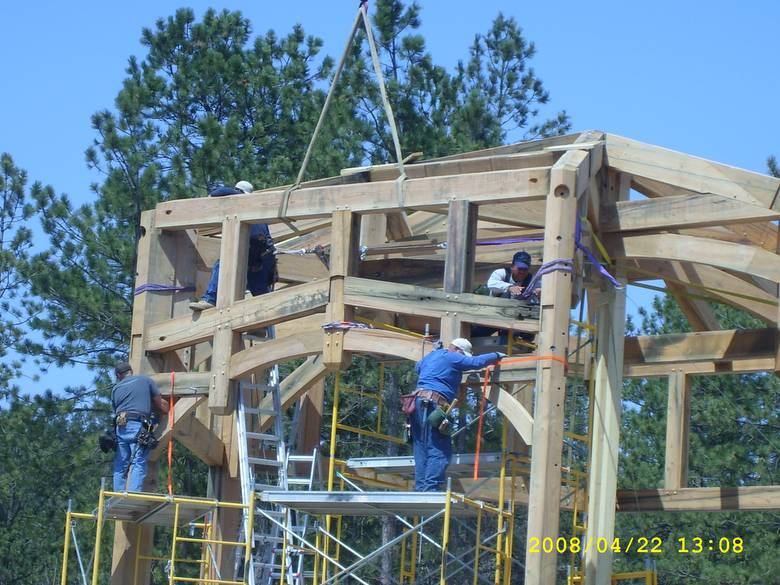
(133, 398)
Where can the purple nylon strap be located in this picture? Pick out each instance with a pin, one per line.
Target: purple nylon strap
(345, 325)
(591, 257)
(546, 268)
(149, 287)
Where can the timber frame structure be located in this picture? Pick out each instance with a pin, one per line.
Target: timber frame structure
(702, 227)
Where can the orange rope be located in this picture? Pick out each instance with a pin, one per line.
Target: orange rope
(488, 377)
(170, 435)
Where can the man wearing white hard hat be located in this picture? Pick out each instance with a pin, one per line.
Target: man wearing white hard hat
(261, 268)
(439, 374)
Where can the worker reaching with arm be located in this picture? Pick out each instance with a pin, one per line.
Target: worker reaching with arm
(133, 399)
(439, 375)
(511, 282)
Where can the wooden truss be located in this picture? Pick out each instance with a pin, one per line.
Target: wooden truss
(704, 228)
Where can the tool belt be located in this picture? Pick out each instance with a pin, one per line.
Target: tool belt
(433, 396)
(122, 418)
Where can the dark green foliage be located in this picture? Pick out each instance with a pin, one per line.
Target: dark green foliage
(733, 442)
(15, 242)
(771, 164)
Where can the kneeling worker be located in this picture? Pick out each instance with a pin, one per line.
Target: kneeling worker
(439, 375)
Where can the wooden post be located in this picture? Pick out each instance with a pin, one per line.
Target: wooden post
(459, 261)
(545, 481)
(156, 260)
(232, 282)
(345, 233)
(678, 421)
(602, 477)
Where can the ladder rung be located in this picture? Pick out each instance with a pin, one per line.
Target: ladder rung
(253, 410)
(298, 480)
(261, 461)
(267, 487)
(263, 436)
(308, 458)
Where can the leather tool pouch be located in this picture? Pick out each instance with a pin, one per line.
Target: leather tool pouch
(408, 404)
(121, 419)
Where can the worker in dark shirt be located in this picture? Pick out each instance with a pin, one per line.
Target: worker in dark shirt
(261, 263)
(133, 399)
(439, 374)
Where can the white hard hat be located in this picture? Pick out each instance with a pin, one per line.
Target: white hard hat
(463, 344)
(245, 186)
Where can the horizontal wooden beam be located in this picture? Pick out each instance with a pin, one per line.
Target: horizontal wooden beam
(492, 187)
(700, 346)
(281, 305)
(690, 172)
(685, 211)
(726, 255)
(709, 499)
(409, 299)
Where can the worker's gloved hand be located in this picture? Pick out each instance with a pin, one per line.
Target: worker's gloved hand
(500, 355)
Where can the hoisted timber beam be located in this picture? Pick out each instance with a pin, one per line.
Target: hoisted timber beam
(416, 300)
(690, 172)
(678, 422)
(707, 499)
(492, 187)
(684, 211)
(726, 255)
(285, 304)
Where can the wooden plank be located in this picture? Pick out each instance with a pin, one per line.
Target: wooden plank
(690, 172)
(245, 315)
(683, 211)
(678, 422)
(545, 481)
(700, 346)
(345, 237)
(373, 197)
(607, 409)
(726, 255)
(232, 282)
(707, 499)
(701, 368)
(461, 239)
(416, 300)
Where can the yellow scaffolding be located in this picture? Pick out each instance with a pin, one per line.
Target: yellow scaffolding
(155, 510)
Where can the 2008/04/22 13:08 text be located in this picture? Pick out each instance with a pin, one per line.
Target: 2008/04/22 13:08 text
(640, 545)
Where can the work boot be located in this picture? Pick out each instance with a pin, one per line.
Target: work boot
(201, 305)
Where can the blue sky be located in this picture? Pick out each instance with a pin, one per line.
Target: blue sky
(697, 77)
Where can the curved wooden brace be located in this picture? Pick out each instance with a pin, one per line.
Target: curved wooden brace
(727, 255)
(374, 341)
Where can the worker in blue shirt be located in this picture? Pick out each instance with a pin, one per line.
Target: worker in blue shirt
(439, 375)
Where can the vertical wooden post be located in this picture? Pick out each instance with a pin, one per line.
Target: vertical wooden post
(232, 282)
(678, 421)
(545, 481)
(345, 233)
(459, 261)
(602, 477)
(156, 260)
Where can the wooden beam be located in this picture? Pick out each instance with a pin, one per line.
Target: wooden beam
(497, 186)
(701, 368)
(726, 255)
(678, 422)
(285, 304)
(682, 211)
(345, 234)
(232, 282)
(690, 172)
(610, 305)
(707, 499)
(701, 346)
(416, 300)
(545, 481)
(461, 238)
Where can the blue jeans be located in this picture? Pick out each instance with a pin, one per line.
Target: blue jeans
(129, 453)
(257, 281)
(432, 449)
